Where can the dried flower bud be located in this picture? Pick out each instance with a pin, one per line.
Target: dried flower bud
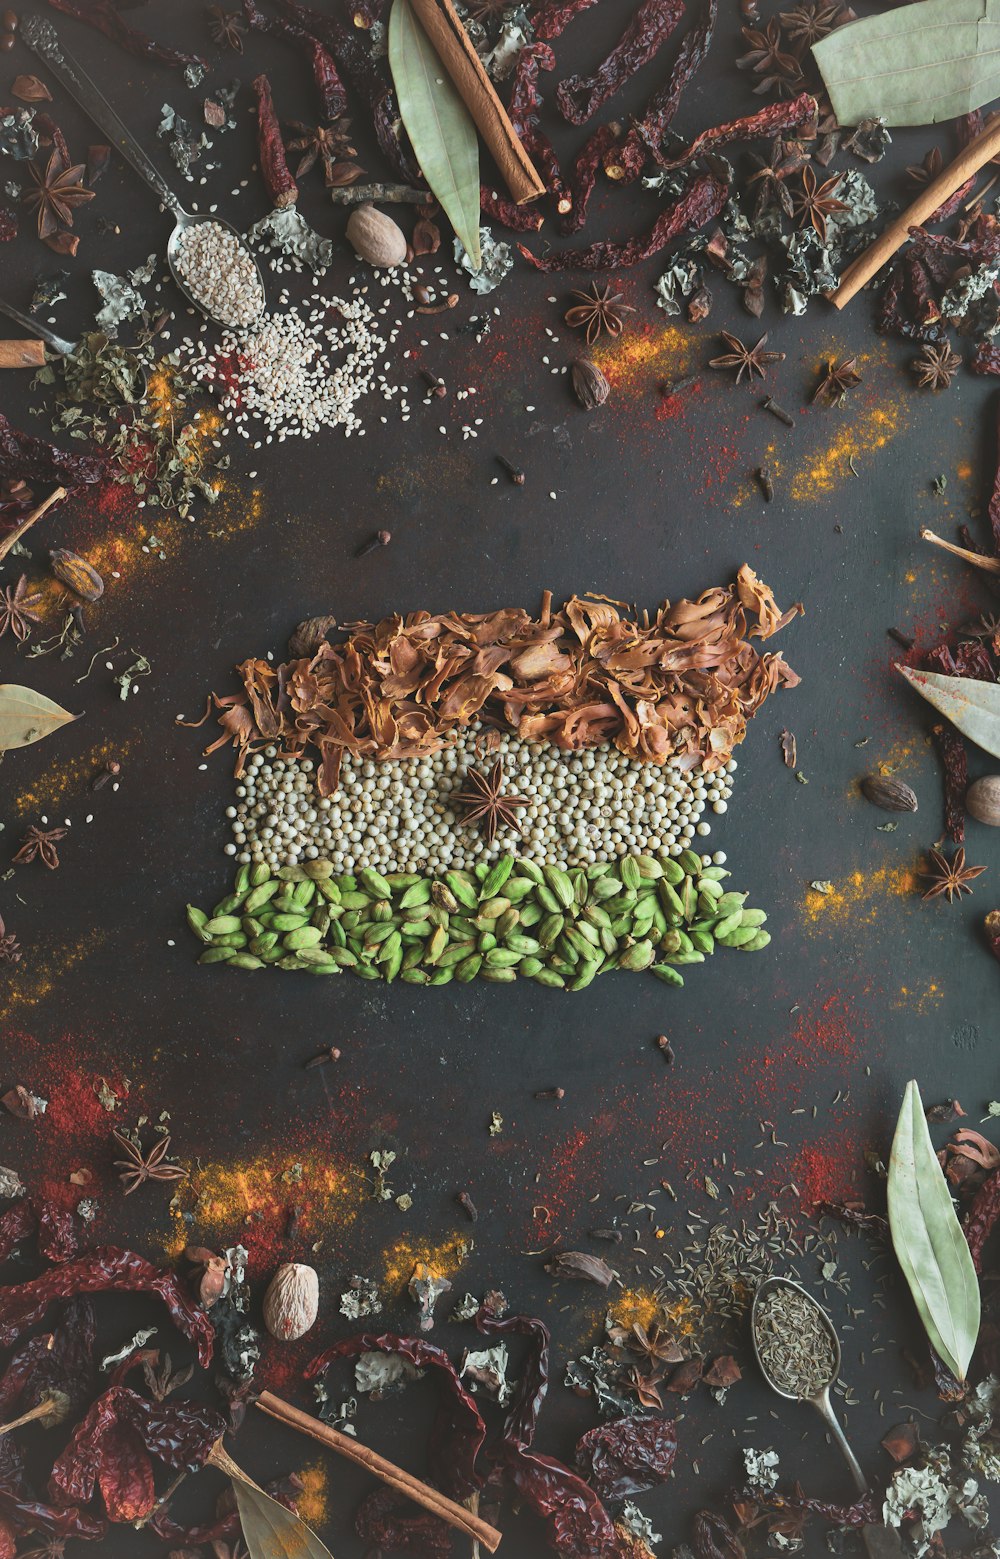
(589, 384)
(211, 1279)
(80, 576)
(982, 800)
(892, 795)
(291, 1303)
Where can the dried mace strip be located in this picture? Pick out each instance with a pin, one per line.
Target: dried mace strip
(578, 1264)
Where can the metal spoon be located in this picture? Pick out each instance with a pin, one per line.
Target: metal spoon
(40, 35)
(880, 1541)
(57, 344)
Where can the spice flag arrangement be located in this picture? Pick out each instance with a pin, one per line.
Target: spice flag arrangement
(494, 795)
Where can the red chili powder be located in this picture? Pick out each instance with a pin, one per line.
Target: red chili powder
(827, 1168)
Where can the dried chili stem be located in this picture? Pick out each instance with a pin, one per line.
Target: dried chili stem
(43, 1409)
(991, 565)
(15, 535)
(395, 1477)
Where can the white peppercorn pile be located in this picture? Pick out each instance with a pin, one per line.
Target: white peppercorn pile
(218, 271)
(583, 808)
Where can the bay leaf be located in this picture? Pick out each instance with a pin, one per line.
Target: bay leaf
(27, 716)
(916, 64)
(972, 707)
(438, 123)
(928, 1240)
(270, 1531)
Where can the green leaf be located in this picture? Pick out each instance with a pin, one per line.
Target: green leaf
(438, 124)
(27, 716)
(917, 64)
(972, 707)
(928, 1240)
(272, 1532)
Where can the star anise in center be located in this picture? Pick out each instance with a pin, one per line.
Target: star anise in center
(815, 202)
(812, 20)
(777, 69)
(837, 380)
(330, 146)
(226, 28)
(784, 159)
(598, 310)
(58, 191)
(950, 877)
(140, 1165)
(40, 842)
(486, 802)
(16, 609)
(936, 366)
(749, 360)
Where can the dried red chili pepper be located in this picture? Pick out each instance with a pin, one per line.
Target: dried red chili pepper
(34, 460)
(921, 303)
(775, 119)
(579, 97)
(994, 505)
(387, 1522)
(860, 1514)
(61, 1360)
(57, 1236)
(955, 762)
(703, 199)
(583, 175)
(553, 16)
(500, 208)
(854, 1217)
(21, 1511)
(106, 19)
(332, 92)
(106, 1269)
(986, 358)
(982, 1217)
(52, 135)
(714, 1538)
(114, 1446)
(282, 190)
(949, 208)
(626, 160)
(576, 1519)
(533, 1383)
(17, 1224)
(458, 1431)
(628, 1456)
(524, 109)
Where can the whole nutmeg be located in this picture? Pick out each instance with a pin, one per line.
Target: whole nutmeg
(80, 576)
(589, 385)
(892, 795)
(376, 237)
(291, 1303)
(982, 800)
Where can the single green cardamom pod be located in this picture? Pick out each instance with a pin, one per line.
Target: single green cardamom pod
(551, 978)
(667, 975)
(415, 976)
(728, 924)
(343, 957)
(551, 929)
(704, 942)
(441, 977)
(548, 900)
(628, 868)
(291, 873)
(198, 920)
(289, 921)
(605, 888)
(689, 898)
(259, 896)
(416, 893)
(585, 975)
(436, 944)
(376, 935)
(259, 873)
(673, 871)
(498, 976)
(216, 955)
(506, 922)
(244, 961)
(318, 870)
(397, 880)
(318, 956)
(241, 882)
(464, 888)
(305, 936)
(691, 863)
(649, 868)
(444, 898)
(530, 966)
(381, 912)
(637, 958)
(715, 873)
(754, 917)
(761, 939)
(485, 941)
(468, 968)
(331, 891)
(559, 883)
(374, 883)
(529, 869)
(220, 924)
(497, 876)
(229, 904)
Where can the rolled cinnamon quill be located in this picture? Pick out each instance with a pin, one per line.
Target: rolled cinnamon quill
(22, 354)
(867, 265)
(443, 27)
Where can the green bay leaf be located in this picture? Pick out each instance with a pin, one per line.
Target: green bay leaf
(27, 716)
(928, 1240)
(439, 125)
(272, 1532)
(917, 64)
(972, 707)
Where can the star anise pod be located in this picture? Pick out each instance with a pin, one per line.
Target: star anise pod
(598, 310)
(749, 360)
(924, 172)
(936, 366)
(486, 803)
(51, 1548)
(816, 202)
(16, 614)
(138, 1166)
(656, 1345)
(161, 1377)
(330, 145)
(784, 158)
(812, 20)
(777, 69)
(950, 877)
(10, 947)
(645, 1387)
(41, 842)
(837, 380)
(226, 28)
(485, 10)
(57, 192)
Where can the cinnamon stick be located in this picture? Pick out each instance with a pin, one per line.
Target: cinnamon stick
(29, 520)
(443, 27)
(395, 1477)
(969, 161)
(22, 354)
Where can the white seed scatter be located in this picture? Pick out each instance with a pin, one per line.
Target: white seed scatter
(220, 272)
(399, 816)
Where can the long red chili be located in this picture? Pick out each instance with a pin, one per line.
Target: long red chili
(524, 109)
(982, 1217)
(332, 92)
(282, 189)
(626, 160)
(579, 97)
(105, 18)
(583, 175)
(703, 199)
(500, 208)
(554, 16)
(769, 121)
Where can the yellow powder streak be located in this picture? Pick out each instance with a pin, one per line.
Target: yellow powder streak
(632, 361)
(856, 901)
(864, 434)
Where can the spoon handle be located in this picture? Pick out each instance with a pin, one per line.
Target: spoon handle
(34, 328)
(825, 1410)
(40, 35)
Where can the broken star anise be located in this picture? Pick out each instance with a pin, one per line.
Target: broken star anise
(138, 1166)
(16, 613)
(330, 146)
(58, 190)
(936, 366)
(226, 28)
(837, 380)
(816, 202)
(486, 803)
(950, 877)
(10, 947)
(40, 842)
(749, 360)
(598, 310)
(783, 159)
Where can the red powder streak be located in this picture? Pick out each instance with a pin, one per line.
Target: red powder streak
(827, 1168)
